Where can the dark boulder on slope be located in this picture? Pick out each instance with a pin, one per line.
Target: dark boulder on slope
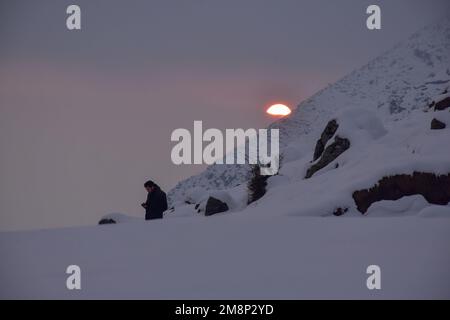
(214, 206)
(437, 125)
(442, 105)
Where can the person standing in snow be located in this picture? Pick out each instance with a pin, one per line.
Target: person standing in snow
(156, 202)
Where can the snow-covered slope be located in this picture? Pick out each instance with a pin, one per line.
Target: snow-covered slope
(377, 150)
(397, 83)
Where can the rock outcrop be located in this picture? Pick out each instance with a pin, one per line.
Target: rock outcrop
(434, 188)
(327, 134)
(334, 150)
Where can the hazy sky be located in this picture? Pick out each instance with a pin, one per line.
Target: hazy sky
(86, 116)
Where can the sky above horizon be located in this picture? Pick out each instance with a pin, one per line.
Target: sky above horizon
(86, 116)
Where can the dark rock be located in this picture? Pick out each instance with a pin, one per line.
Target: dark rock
(107, 221)
(327, 134)
(214, 206)
(442, 105)
(339, 212)
(334, 150)
(437, 125)
(434, 188)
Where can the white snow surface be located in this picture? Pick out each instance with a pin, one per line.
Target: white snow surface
(232, 257)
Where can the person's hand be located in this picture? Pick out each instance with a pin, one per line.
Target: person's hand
(144, 205)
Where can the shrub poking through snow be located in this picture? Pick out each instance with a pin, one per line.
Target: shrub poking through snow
(257, 184)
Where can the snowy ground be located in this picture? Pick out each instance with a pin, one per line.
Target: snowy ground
(231, 256)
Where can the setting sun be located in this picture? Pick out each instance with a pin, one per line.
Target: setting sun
(279, 110)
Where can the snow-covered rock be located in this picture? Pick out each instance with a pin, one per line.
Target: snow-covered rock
(119, 218)
(196, 200)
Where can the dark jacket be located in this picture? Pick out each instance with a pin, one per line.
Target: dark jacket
(156, 204)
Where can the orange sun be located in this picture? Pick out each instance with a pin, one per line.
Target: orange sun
(279, 110)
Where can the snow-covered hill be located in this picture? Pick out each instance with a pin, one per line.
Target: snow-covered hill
(401, 81)
(377, 150)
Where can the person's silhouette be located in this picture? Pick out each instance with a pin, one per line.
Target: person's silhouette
(156, 202)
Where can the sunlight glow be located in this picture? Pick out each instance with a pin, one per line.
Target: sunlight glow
(279, 110)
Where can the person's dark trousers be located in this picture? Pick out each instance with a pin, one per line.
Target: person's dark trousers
(154, 216)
